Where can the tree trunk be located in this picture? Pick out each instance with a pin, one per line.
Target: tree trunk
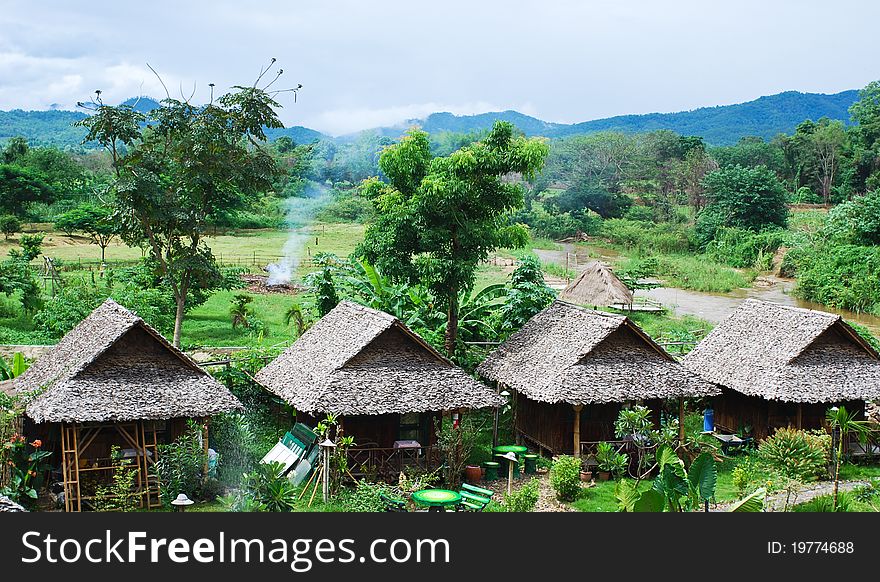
(178, 320)
(103, 248)
(451, 323)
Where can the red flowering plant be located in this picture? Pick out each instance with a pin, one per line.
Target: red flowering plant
(27, 462)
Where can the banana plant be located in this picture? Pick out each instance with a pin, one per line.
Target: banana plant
(14, 370)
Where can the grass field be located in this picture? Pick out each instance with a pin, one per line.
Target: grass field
(233, 247)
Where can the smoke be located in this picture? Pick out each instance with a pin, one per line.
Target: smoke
(299, 213)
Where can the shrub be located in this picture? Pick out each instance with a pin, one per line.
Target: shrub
(797, 454)
(367, 496)
(63, 312)
(524, 499)
(265, 486)
(742, 248)
(118, 495)
(565, 478)
(9, 225)
(656, 238)
(842, 276)
(825, 504)
(181, 464)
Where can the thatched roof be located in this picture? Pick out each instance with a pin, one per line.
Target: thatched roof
(8, 505)
(571, 354)
(597, 286)
(358, 360)
(789, 354)
(115, 367)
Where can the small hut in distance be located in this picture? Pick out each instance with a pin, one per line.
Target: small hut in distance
(114, 380)
(597, 286)
(784, 366)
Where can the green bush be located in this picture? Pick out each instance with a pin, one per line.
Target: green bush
(367, 496)
(797, 454)
(269, 489)
(742, 248)
(565, 478)
(347, 208)
(825, 504)
(653, 237)
(181, 464)
(9, 225)
(524, 499)
(71, 305)
(842, 276)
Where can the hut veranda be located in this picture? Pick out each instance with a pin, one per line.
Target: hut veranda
(571, 369)
(782, 366)
(384, 382)
(114, 380)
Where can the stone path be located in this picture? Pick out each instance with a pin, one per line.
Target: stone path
(776, 501)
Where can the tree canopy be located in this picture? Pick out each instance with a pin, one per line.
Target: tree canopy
(439, 217)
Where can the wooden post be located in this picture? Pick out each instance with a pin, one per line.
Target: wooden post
(681, 421)
(205, 444)
(495, 420)
(800, 415)
(577, 430)
(510, 465)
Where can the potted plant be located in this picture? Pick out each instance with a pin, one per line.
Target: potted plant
(586, 473)
(609, 461)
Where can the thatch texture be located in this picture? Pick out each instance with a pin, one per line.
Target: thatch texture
(789, 354)
(570, 354)
(597, 286)
(115, 367)
(8, 505)
(358, 360)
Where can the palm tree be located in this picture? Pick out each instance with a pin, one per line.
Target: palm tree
(843, 423)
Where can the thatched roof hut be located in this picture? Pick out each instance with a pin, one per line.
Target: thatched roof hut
(567, 353)
(113, 367)
(769, 353)
(114, 380)
(360, 361)
(571, 368)
(597, 286)
(788, 353)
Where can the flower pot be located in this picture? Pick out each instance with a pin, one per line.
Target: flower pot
(473, 474)
(586, 476)
(604, 475)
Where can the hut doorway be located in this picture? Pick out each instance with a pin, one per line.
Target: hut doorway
(86, 461)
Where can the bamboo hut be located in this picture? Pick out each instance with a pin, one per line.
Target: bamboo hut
(784, 366)
(572, 369)
(597, 286)
(385, 382)
(114, 380)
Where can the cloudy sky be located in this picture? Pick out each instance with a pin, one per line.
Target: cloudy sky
(364, 64)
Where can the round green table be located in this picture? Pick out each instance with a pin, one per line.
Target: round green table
(436, 499)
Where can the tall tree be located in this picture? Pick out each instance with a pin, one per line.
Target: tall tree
(182, 169)
(438, 218)
(97, 222)
(20, 188)
(828, 141)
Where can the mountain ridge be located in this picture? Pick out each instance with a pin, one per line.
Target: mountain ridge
(765, 117)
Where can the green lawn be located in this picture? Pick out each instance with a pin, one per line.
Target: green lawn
(601, 497)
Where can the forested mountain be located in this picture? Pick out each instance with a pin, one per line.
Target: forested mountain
(721, 125)
(725, 125)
